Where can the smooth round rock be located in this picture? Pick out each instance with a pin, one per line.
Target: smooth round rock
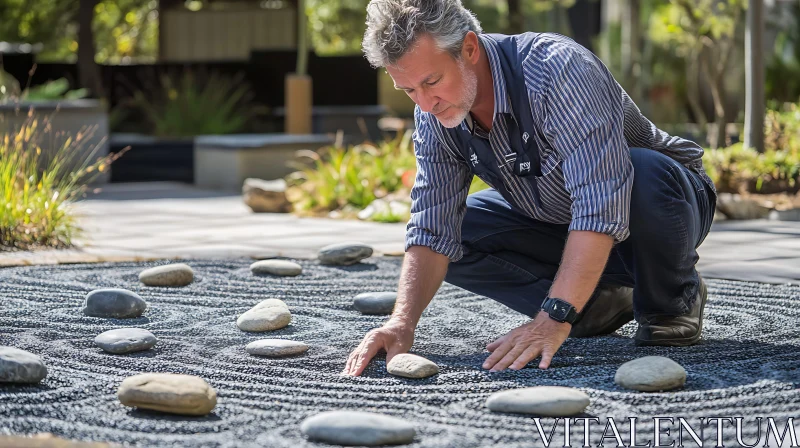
(20, 366)
(549, 401)
(344, 254)
(651, 373)
(275, 347)
(268, 315)
(168, 392)
(411, 366)
(125, 340)
(357, 428)
(177, 274)
(113, 302)
(375, 302)
(276, 267)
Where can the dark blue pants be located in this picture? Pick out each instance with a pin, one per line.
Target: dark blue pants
(513, 259)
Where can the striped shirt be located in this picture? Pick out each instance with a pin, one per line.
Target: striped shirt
(587, 122)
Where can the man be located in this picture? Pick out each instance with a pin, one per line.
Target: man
(594, 215)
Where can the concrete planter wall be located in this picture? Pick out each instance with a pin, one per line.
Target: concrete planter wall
(330, 119)
(67, 118)
(223, 162)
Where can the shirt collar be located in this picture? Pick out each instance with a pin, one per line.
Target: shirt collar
(502, 102)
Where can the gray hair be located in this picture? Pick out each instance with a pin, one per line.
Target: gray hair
(393, 27)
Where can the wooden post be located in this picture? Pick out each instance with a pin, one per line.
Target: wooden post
(754, 75)
(299, 88)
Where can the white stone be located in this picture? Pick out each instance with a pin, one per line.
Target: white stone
(276, 267)
(411, 366)
(651, 373)
(176, 274)
(268, 315)
(125, 340)
(357, 428)
(168, 392)
(20, 366)
(548, 401)
(344, 254)
(275, 347)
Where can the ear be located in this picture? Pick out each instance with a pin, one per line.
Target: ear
(470, 49)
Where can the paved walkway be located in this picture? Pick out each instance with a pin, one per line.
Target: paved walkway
(168, 220)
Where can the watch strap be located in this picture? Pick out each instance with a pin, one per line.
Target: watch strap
(560, 310)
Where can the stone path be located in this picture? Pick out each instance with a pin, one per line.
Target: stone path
(158, 220)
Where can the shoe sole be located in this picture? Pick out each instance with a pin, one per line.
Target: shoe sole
(684, 342)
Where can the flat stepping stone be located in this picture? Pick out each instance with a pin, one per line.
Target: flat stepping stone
(276, 267)
(357, 428)
(411, 366)
(177, 274)
(344, 254)
(549, 401)
(20, 366)
(168, 392)
(125, 340)
(113, 302)
(268, 315)
(375, 302)
(651, 373)
(275, 347)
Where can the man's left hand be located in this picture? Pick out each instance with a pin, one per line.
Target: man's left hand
(542, 336)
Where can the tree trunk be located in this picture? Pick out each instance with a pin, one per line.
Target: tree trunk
(516, 20)
(754, 74)
(630, 51)
(88, 71)
(693, 92)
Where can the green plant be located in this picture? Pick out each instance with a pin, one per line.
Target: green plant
(357, 175)
(189, 107)
(53, 90)
(736, 169)
(36, 188)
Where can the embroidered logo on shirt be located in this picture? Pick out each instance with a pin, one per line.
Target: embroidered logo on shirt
(474, 159)
(525, 137)
(525, 167)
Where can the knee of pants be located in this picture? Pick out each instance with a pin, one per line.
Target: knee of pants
(658, 203)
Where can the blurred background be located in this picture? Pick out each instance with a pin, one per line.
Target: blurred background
(211, 93)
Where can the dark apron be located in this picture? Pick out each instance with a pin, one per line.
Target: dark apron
(477, 152)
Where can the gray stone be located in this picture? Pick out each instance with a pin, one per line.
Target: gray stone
(266, 196)
(411, 366)
(19, 366)
(168, 392)
(734, 206)
(344, 254)
(113, 302)
(357, 428)
(125, 340)
(651, 373)
(176, 274)
(275, 347)
(375, 302)
(276, 267)
(549, 401)
(268, 315)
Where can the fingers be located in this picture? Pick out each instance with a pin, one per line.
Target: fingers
(522, 360)
(491, 347)
(510, 357)
(497, 355)
(352, 358)
(547, 357)
(361, 356)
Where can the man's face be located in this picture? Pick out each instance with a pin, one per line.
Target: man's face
(436, 81)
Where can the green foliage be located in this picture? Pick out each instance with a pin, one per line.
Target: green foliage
(782, 128)
(124, 30)
(187, 106)
(783, 69)
(353, 176)
(36, 189)
(53, 90)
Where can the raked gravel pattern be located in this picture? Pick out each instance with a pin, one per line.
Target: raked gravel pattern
(748, 363)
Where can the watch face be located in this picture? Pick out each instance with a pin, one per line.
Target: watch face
(559, 310)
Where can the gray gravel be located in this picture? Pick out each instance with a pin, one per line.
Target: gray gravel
(748, 363)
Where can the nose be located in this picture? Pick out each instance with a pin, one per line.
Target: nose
(426, 102)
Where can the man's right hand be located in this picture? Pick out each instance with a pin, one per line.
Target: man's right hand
(394, 337)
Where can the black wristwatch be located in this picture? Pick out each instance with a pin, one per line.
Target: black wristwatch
(560, 310)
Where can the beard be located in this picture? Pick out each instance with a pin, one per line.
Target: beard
(456, 113)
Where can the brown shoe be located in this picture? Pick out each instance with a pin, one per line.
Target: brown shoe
(610, 309)
(676, 331)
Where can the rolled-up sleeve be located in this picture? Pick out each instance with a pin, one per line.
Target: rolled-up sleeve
(584, 122)
(438, 198)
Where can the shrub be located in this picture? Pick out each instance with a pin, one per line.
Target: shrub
(738, 169)
(36, 188)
